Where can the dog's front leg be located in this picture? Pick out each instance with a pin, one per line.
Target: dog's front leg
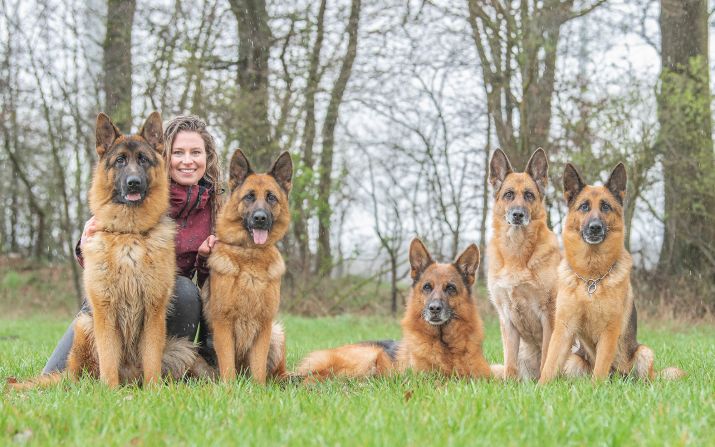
(152, 344)
(559, 346)
(605, 352)
(109, 346)
(225, 347)
(258, 357)
(511, 369)
(80, 355)
(545, 340)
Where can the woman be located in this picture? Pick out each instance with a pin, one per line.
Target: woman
(192, 160)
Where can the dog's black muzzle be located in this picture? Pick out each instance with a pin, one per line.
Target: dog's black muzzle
(517, 215)
(259, 219)
(130, 189)
(594, 232)
(436, 312)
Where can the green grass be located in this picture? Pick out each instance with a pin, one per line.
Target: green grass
(406, 410)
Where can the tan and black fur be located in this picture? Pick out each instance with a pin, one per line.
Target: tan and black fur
(242, 295)
(130, 267)
(441, 328)
(604, 321)
(523, 256)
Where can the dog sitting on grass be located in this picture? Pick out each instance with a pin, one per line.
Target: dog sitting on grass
(594, 305)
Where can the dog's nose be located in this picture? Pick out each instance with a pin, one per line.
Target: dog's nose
(134, 181)
(595, 227)
(517, 214)
(435, 307)
(260, 217)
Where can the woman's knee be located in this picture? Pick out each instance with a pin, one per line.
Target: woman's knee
(185, 313)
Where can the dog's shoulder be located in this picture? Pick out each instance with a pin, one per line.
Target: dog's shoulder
(224, 261)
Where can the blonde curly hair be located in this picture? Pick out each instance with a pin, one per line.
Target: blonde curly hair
(192, 123)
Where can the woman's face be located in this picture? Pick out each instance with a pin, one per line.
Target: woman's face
(188, 158)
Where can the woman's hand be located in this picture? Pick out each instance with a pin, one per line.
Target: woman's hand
(90, 227)
(208, 244)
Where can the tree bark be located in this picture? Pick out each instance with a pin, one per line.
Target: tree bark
(324, 257)
(685, 142)
(253, 127)
(118, 62)
(304, 207)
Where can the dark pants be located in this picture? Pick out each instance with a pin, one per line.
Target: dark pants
(182, 321)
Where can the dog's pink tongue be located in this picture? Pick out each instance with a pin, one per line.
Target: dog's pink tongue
(260, 236)
(134, 196)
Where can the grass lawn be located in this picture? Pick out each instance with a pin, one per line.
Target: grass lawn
(406, 410)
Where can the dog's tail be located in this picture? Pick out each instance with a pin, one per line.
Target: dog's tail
(181, 359)
(643, 366)
(671, 373)
(43, 381)
(357, 360)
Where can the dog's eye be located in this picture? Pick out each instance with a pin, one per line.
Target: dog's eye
(250, 197)
(528, 195)
(271, 198)
(585, 207)
(120, 161)
(509, 195)
(605, 207)
(451, 289)
(142, 159)
(427, 288)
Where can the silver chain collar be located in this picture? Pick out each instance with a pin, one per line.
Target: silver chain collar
(592, 284)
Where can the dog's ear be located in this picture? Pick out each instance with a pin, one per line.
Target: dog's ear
(239, 169)
(538, 169)
(617, 182)
(573, 184)
(420, 259)
(106, 133)
(282, 171)
(152, 132)
(499, 168)
(468, 262)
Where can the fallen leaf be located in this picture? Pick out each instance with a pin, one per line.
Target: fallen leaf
(408, 395)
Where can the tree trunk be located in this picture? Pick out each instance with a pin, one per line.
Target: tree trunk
(251, 109)
(304, 207)
(685, 142)
(118, 62)
(324, 258)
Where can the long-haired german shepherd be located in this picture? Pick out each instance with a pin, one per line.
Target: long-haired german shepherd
(441, 329)
(595, 303)
(523, 258)
(242, 295)
(130, 266)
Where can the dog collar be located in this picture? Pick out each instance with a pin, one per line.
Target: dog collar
(592, 284)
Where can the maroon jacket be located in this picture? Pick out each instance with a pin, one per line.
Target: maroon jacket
(191, 209)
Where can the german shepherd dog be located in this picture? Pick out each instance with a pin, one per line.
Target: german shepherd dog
(595, 303)
(523, 262)
(441, 329)
(242, 295)
(130, 266)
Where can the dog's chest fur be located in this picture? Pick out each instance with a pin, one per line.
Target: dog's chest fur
(127, 273)
(522, 287)
(608, 308)
(244, 288)
(455, 348)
